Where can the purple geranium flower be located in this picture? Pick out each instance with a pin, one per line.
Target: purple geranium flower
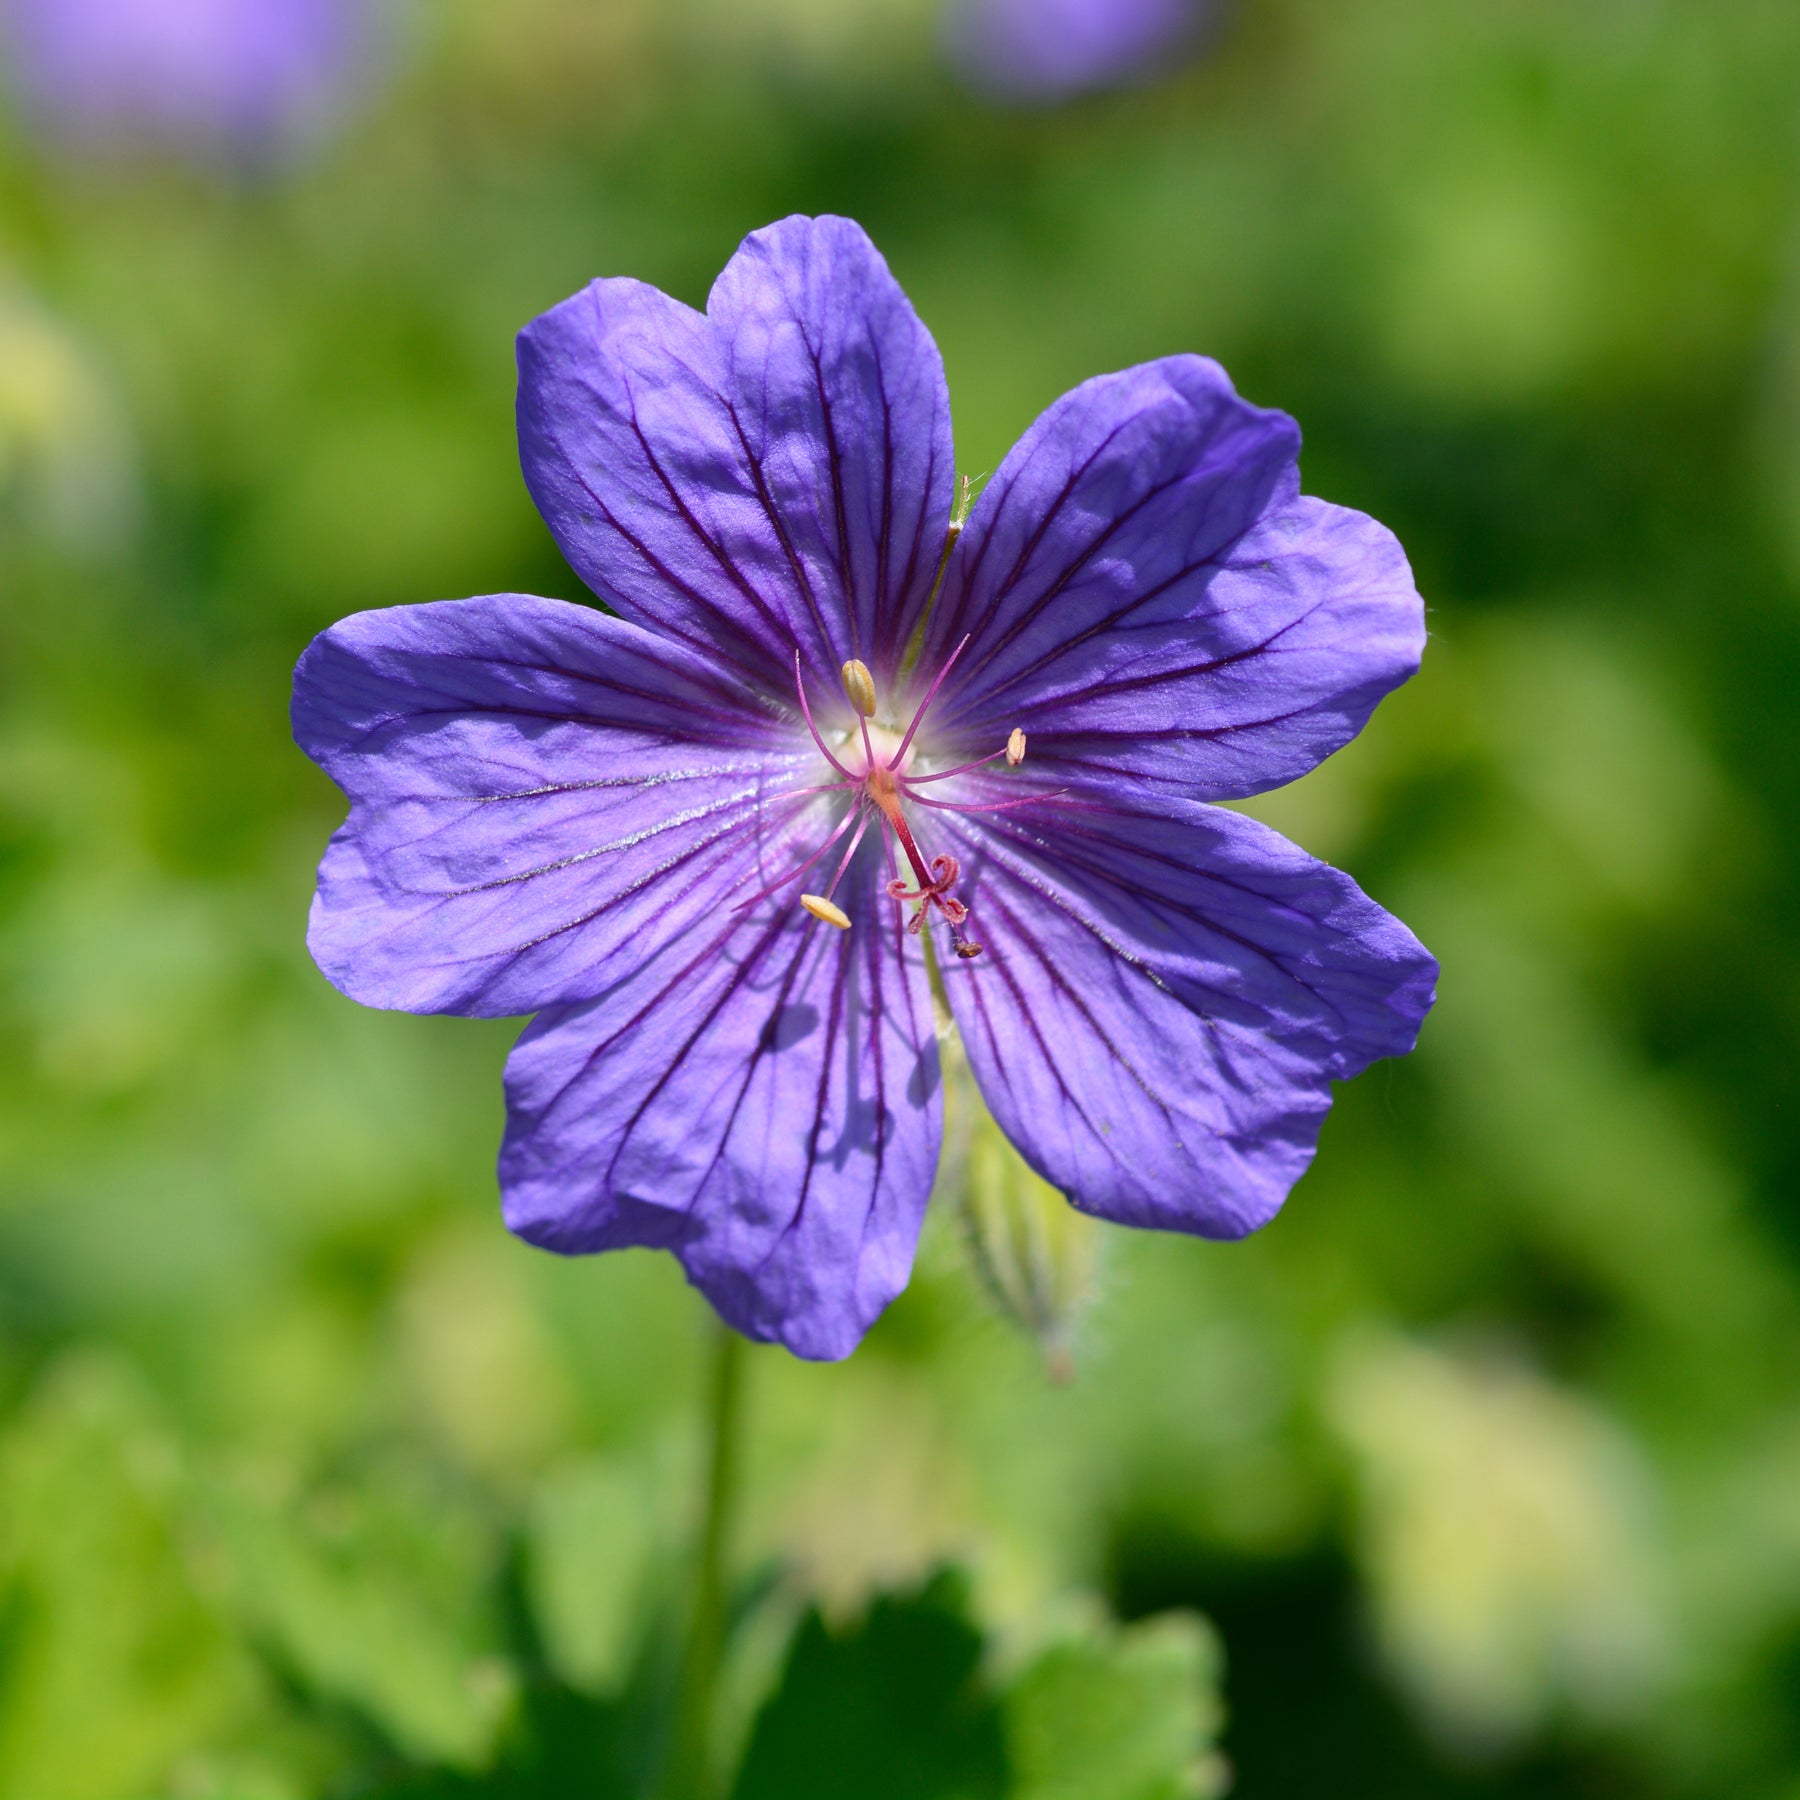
(246, 76)
(1052, 49)
(1001, 746)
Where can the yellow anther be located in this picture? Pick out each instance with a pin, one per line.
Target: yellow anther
(1015, 748)
(859, 684)
(821, 908)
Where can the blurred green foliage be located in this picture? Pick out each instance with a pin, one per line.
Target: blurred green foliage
(1484, 1459)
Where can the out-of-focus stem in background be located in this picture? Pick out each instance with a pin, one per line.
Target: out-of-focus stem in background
(688, 1772)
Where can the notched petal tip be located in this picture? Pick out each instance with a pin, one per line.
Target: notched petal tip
(1160, 1042)
(761, 1101)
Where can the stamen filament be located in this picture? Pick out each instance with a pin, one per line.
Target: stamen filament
(824, 787)
(930, 695)
(983, 806)
(844, 861)
(806, 713)
(980, 762)
(800, 869)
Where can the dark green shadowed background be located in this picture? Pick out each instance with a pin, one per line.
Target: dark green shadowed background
(1476, 1474)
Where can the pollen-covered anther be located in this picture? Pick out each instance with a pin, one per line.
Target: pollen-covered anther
(1015, 748)
(859, 684)
(826, 911)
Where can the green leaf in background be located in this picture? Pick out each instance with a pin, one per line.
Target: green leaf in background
(377, 1596)
(597, 1538)
(112, 1663)
(559, 1745)
(1119, 1714)
(892, 1709)
(902, 1705)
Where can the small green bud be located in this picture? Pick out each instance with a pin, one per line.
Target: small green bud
(1035, 1254)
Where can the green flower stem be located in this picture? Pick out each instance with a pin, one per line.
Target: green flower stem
(688, 1773)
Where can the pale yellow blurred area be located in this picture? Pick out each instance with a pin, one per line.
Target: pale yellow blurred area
(67, 464)
(1507, 1536)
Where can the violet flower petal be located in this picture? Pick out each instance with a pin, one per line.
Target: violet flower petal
(773, 473)
(247, 75)
(763, 1101)
(539, 793)
(1047, 50)
(1167, 993)
(1150, 596)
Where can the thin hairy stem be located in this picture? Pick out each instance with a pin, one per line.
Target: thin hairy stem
(688, 1773)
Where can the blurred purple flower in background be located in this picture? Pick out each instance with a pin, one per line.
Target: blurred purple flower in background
(1048, 50)
(244, 78)
(993, 747)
